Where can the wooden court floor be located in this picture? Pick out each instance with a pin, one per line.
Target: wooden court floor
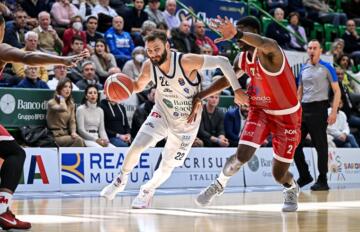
(337, 210)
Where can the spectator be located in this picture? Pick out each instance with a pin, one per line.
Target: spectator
(31, 42)
(142, 111)
(211, 130)
(319, 10)
(91, 34)
(344, 63)
(340, 131)
(207, 75)
(202, 39)
(351, 38)
(34, 7)
(132, 67)
(32, 79)
(85, 7)
(316, 76)
(60, 72)
(89, 76)
(92, 129)
(76, 29)
(76, 47)
(105, 15)
(119, 41)
(49, 40)
(337, 48)
(146, 28)
(183, 40)
(116, 123)
(63, 11)
(15, 30)
(351, 8)
(170, 14)
(294, 27)
(60, 116)
(232, 126)
(120, 6)
(105, 63)
(154, 13)
(277, 32)
(135, 18)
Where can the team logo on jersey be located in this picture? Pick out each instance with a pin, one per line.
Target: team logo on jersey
(168, 103)
(181, 81)
(176, 114)
(252, 70)
(186, 90)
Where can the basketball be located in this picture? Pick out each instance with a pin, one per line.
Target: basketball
(118, 87)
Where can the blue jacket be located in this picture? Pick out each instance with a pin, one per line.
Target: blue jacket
(121, 45)
(11, 35)
(28, 83)
(232, 124)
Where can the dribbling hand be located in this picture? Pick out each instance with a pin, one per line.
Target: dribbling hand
(196, 106)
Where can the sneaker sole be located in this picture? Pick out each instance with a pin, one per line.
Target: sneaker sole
(289, 211)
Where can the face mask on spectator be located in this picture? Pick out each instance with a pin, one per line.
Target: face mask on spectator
(139, 58)
(77, 26)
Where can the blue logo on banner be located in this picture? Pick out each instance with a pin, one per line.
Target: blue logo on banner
(72, 168)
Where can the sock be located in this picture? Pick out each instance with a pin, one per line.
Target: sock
(5, 201)
(290, 185)
(223, 179)
(119, 178)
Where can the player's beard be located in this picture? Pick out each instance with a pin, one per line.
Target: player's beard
(162, 59)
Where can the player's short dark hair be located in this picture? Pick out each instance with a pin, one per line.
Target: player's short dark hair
(250, 21)
(156, 35)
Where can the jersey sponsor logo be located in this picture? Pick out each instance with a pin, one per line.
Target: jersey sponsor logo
(176, 114)
(252, 71)
(155, 115)
(181, 81)
(290, 132)
(248, 133)
(72, 168)
(150, 124)
(186, 90)
(261, 98)
(168, 103)
(167, 90)
(186, 137)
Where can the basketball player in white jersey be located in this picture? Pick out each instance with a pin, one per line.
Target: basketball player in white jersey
(177, 82)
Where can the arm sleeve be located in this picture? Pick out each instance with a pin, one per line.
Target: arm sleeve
(213, 62)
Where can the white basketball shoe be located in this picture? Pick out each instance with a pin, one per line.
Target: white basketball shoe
(143, 199)
(118, 185)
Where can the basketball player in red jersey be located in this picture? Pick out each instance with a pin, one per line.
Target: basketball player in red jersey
(273, 107)
(12, 154)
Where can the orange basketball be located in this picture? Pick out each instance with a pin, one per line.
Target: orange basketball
(118, 87)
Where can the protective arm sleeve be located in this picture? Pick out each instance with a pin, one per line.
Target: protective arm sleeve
(213, 62)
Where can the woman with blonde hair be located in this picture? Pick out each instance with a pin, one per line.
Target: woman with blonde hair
(60, 116)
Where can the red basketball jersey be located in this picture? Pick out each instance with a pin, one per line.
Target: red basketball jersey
(269, 91)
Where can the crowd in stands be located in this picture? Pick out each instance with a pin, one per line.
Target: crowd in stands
(113, 32)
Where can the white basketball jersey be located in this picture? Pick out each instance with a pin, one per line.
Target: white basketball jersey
(174, 91)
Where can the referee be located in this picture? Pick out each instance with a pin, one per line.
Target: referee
(315, 78)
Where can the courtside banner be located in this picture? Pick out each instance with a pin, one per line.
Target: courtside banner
(201, 168)
(258, 171)
(93, 168)
(41, 170)
(344, 165)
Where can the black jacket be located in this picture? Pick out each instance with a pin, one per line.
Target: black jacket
(183, 43)
(115, 118)
(140, 116)
(211, 125)
(279, 34)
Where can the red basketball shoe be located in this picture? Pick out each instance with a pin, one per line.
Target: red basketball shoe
(9, 221)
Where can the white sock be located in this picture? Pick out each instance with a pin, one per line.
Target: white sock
(5, 201)
(223, 179)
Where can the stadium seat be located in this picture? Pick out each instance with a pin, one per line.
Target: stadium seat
(341, 30)
(266, 21)
(328, 46)
(330, 32)
(317, 32)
